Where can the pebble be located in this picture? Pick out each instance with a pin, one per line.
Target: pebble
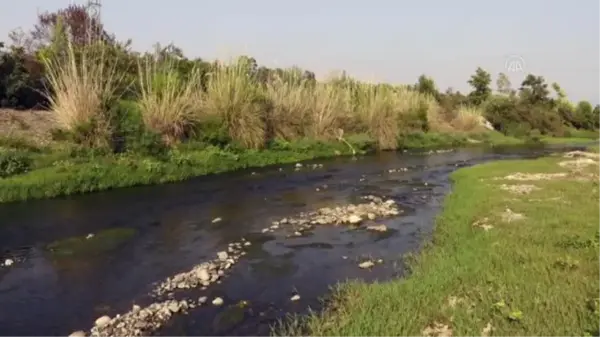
(354, 219)
(102, 321)
(215, 220)
(298, 165)
(247, 243)
(295, 297)
(203, 274)
(78, 333)
(202, 299)
(89, 236)
(222, 255)
(377, 228)
(217, 301)
(8, 262)
(366, 264)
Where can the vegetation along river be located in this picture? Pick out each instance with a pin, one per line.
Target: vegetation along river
(78, 258)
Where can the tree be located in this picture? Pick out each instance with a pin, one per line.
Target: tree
(503, 84)
(585, 115)
(426, 85)
(534, 90)
(560, 93)
(480, 82)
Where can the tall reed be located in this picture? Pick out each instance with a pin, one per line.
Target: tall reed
(170, 103)
(234, 95)
(83, 84)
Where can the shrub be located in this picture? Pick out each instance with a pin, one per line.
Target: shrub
(82, 86)
(169, 103)
(14, 162)
(234, 96)
(468, 118)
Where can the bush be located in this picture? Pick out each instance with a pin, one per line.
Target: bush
(170, 103)
(14, 162)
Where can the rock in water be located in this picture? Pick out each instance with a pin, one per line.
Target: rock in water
(174, 307)
(203, 274)
(298, 165)
(102, 321)
(378, 228)
(215, 220)
(217, 301)
(366, 264)
(8, 262)
(295, 297)
(78, 333)
(354, 219)
(222, 255)
(202, 300)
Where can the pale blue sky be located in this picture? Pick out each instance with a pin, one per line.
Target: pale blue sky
(379, 40)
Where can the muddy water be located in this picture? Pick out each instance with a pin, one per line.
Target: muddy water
(49, 294)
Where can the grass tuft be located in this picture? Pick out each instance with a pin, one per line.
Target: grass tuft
(170, 104)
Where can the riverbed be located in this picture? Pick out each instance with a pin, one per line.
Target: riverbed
(170, 228)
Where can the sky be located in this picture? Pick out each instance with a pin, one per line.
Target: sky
(378, 40)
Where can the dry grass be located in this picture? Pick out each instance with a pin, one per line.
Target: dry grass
(290, 105)
(83, 83)
(31, 125)
(170, 104)
(234, 96)
(329, 105)
(468, 119)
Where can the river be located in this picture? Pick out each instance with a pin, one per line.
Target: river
(46, 294)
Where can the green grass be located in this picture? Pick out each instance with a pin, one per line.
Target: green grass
(535, 276)
(432, 140)
(66, 169)
(72, 174)
(566, 140)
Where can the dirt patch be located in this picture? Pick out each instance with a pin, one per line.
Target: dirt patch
(32, 125)
(483, 224)
(582, 154)
(533, 176)
(509, 216)
(437, 330)
(487, 330)
(578, 164)
(519, 189)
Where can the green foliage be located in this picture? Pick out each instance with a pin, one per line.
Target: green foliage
(13, 163)
(480, 82)
(21, 80)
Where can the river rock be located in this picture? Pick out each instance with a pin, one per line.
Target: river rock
(366, 264)
(8, 262)
(354, 219)
(296, 297)
(203, 274)
(222, 255)
(215, 220)
(102, 321)
(298, 165)
(377, 228)
(173, 307)
(217, 301)
(78, 333)
(202, 300)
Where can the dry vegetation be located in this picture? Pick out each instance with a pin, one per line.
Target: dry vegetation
(287, 107)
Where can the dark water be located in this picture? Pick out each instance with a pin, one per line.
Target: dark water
(43, 294)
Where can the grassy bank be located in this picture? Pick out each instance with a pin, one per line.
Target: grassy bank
(511, 255)
(34, 173)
